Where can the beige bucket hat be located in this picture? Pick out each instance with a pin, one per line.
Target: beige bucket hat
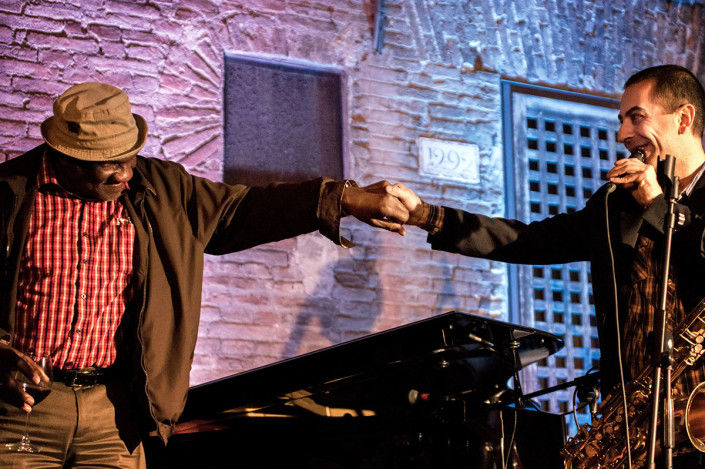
(94, 122)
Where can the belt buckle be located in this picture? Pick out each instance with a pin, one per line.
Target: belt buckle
(73, 384)
(84, 377)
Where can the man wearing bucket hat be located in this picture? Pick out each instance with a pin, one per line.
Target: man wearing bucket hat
(103, 261)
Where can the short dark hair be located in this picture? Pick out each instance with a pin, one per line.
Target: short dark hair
(674, 86)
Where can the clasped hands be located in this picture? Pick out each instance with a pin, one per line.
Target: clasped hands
(383, 205)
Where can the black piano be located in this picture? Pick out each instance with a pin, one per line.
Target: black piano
(430, 394)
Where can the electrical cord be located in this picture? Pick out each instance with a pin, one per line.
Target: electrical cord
(589, 401)
(506, 459)
(575, 409)
(610, 190)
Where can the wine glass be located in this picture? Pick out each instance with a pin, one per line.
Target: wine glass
(39, 392)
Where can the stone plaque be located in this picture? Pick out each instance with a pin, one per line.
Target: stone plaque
(449, 160)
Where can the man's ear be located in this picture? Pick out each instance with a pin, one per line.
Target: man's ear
(686, 117)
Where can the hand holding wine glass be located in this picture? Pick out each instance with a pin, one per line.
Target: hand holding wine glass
(12, 360)
(34, 377)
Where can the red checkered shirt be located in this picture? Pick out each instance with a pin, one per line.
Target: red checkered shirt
(74, 277)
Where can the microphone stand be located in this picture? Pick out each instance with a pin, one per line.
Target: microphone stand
(513, 345)
(589, 379)
(663, 343)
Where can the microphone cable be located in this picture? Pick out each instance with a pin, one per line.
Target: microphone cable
(507, 451)
(590, 401)
(610, 189)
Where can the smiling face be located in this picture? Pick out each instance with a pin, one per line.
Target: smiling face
(646, 125)
(93, 180)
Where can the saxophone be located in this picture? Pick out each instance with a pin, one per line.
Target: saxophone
(602, 443)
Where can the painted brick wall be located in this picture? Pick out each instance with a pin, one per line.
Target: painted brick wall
(438, 76)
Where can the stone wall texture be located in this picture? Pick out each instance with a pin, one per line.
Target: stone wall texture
(437, 75)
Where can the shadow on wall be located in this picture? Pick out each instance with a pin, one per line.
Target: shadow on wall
(344, 304)
(447, 296)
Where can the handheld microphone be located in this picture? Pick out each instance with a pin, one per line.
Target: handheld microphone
(638, 154)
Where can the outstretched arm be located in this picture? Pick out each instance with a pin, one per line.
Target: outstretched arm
(564, 238)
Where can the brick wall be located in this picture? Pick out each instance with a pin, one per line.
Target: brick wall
(437, 76)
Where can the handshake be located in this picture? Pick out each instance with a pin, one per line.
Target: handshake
(384, 205)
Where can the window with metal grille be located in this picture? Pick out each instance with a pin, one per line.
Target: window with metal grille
(558, 149)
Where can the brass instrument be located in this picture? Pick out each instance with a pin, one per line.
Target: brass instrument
(602, 443)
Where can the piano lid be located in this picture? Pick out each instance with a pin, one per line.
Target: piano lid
(447, 355)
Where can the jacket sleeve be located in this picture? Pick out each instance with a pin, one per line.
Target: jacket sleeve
(559, 239)
(227, 218)
(258, 215)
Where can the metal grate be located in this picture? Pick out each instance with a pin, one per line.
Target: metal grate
(562, 150)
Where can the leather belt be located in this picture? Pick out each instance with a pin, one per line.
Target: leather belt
(84, 377)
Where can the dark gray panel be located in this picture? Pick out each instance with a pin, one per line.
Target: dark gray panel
(282, 122)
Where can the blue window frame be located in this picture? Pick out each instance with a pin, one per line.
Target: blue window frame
(558, 146)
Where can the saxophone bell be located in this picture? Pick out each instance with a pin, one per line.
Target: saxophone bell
(689, 413)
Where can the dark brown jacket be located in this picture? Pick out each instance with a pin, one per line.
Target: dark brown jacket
(178, 217)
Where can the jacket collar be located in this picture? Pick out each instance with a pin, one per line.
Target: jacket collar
(630, 219)
(20, 173)
(629, 213)
(139, 182)
(697, 196)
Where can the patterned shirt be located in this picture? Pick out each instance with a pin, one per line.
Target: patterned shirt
(642, 296)
(74, 277)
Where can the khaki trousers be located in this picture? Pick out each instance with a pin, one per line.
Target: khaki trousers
(75, 428)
